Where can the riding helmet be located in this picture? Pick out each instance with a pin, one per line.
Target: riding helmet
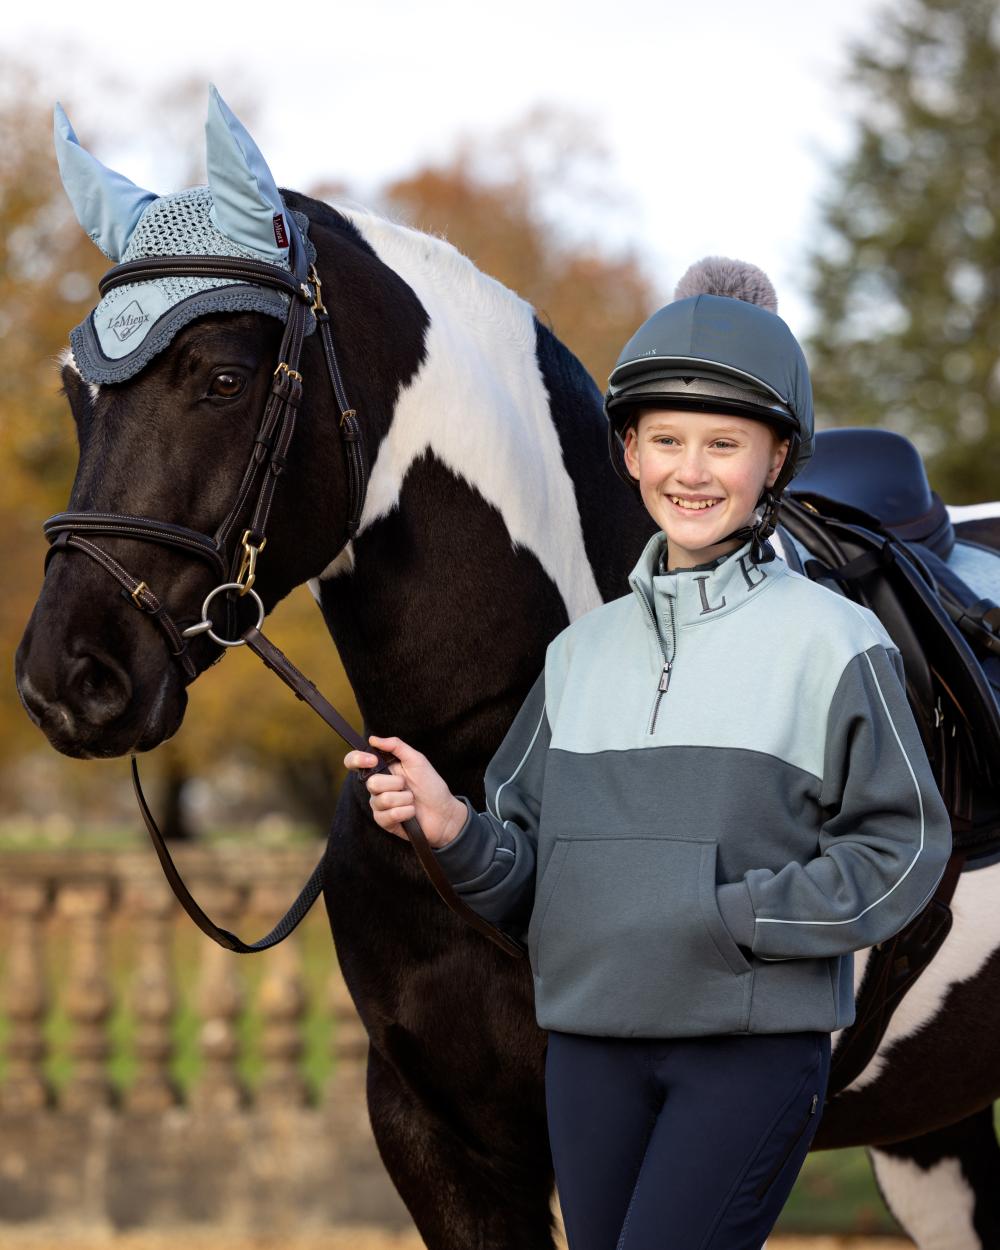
(720, 346)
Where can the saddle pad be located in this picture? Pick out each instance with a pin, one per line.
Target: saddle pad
(977, 567)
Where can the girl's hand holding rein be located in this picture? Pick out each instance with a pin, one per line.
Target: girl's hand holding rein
(411, 787)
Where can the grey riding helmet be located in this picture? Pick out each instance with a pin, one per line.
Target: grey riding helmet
(711, 350)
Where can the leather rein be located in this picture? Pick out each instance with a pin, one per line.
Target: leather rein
(267, 462)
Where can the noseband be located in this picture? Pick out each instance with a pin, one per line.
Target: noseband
(268, 460)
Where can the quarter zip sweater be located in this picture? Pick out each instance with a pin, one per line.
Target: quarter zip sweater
(712, 795)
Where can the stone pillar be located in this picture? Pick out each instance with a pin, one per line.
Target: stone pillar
(152, 911)
(26, 999)
(282, 1002)
(221, 997)
(89, 1002)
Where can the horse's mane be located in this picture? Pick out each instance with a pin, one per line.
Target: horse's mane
(493, 391)
(438, 262)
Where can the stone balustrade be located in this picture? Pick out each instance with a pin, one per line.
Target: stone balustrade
(233, 1130)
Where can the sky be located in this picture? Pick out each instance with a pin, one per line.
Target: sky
(721, 120)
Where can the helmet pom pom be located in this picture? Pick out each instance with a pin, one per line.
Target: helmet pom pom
(737, 279)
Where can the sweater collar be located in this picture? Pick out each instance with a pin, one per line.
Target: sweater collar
(700, 593)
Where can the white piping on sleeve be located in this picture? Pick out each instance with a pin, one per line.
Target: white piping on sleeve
(920, 803)
(496, 813)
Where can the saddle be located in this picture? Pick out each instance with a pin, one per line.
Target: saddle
(879, 472)
(881, 536)
(886, 548)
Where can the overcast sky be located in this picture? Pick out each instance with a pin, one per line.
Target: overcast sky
(721, 118)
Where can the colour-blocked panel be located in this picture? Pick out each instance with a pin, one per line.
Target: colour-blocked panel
(760, 679)
(759, 807)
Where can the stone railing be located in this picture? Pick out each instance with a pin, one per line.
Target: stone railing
(205, 1118)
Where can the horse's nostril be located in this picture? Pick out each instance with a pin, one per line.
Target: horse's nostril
(98, 687)
(34, 704)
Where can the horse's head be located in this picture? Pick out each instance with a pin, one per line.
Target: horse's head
(476, 468)
(184, 432)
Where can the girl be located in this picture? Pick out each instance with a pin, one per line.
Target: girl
(713, 794)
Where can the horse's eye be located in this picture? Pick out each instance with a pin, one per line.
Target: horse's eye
(226, 385)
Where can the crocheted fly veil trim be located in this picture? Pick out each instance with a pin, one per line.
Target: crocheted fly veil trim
(134, 322)
(240, 213)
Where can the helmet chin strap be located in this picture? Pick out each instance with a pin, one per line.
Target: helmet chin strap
(761, 551)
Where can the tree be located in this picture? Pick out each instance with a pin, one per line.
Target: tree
(906, 276)
(48, 272)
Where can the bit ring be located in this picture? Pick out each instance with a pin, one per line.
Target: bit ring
(204, 626)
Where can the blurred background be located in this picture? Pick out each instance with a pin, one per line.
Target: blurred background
(584, 155)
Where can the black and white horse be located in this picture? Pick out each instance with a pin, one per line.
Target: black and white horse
(492, 518)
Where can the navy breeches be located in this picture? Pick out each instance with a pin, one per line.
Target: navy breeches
(690, 1143)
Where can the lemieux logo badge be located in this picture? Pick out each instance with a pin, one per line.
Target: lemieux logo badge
(124, 324)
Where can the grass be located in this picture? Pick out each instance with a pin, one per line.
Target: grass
(836, 1192)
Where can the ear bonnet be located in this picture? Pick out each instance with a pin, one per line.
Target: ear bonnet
(240, 213)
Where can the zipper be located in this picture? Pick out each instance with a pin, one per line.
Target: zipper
(767, 1182)
(664, 680)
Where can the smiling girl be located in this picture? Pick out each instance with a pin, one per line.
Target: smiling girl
(712, 795)
(700, 474)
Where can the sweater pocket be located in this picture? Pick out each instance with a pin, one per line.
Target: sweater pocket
(629, 940)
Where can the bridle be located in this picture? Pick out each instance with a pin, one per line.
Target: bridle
(267, 462)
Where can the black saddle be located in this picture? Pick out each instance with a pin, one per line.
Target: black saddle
(881, 473)
(893, 561)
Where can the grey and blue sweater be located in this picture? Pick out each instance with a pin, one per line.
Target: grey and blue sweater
(714, 792)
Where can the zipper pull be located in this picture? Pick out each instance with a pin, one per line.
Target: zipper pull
(665, 676)
(812, 1109)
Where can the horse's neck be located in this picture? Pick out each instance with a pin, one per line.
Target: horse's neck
(482, 528)
(440, 623)
(479, 404)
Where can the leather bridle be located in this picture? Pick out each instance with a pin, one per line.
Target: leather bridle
(267, 462)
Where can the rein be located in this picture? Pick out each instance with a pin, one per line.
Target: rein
(268, 461)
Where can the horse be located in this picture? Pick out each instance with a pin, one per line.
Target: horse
(492, 518)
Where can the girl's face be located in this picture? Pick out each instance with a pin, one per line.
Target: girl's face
(699, 457)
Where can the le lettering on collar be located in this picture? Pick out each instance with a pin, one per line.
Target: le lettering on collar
(239, 213)
(699, 594)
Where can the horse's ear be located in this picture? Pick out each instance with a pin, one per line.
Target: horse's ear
(246, 205)
(106, 204)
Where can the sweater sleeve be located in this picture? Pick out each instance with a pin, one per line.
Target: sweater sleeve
(884, 846)
(490, 863)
